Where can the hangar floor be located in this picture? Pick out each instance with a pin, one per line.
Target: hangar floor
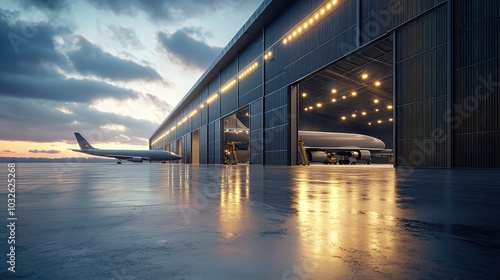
(154, 221)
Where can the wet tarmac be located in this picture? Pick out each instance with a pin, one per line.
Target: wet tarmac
(171, 221)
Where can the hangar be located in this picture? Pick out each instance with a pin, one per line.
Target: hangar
(422, 76)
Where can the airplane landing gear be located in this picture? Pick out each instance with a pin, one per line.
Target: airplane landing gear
(119, 161)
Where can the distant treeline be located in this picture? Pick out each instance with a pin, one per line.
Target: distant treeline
(51, 160)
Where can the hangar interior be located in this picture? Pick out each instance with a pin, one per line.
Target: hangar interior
(353, 95)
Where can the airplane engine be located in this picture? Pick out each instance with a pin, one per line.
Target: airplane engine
(317, 156)
(136, 159)
(361, 155)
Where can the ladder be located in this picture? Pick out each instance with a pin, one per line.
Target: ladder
(302, 152)
(233, 156)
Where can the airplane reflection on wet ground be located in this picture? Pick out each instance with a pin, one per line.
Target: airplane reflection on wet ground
(172, 221)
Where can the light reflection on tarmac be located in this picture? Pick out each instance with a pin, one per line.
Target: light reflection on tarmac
(175, 221)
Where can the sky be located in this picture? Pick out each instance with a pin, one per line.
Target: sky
(112, 70)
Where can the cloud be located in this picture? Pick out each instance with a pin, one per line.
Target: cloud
(36, 151)
(8, 151)
(45, 5)
(90, 59)
(125, 36)
(183, 48)
(167, 11)
(42, 121)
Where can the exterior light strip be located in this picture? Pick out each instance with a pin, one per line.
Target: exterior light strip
(248, 70)
(212, 98)
(227, 86)
(309, 22)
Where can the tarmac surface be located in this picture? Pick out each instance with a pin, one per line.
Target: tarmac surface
(175, 221)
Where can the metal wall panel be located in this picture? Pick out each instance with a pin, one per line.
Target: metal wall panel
(186, 148)
(214, 107)
(203, 144)
(276, 140)
(475, 119)
(211, 143)
(421, 91)
(217, 142)
(256, 132)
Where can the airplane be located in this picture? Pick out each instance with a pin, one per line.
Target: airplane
(130, 155)
(358, 146)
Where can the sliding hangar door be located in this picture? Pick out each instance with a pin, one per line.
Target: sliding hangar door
(418, 75)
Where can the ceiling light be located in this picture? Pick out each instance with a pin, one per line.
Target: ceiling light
(328, 6)
(364, 76)
(202, 105)
(304, 94)
(376, 110)
(289, 37)
(375, 101)
(334, 2)
(334, 91)
(305, 25)
(369, 123)
(379, 121)
(322, 11)
(285, 41)
(363, 113)
(353, 115)
(294, 33)
(269, 53)
(377, 83)
(310, 107)
(306, 109)
(316, 16)
(390, 119)
(354, 93)
(334, 100)
(311, 20)
(299, 29)
(343, 118)
(344, 97)
(389, 107)
(319, 105)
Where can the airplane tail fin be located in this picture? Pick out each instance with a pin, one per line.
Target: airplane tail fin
(84, 144)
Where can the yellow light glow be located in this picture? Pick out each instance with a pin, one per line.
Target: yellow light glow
(193, 113)
(379, 121)
(389, 107)
(353, 115)
(255, 64)
(369, 123)
(354, 93)
(202, 106)
(305, 25)
(344, 97)
(364, 76)
(304, 94)
(363, 113)
(334, 91)
(319, 105)
(294, 33)
(285, 41)
(299, 29)
(269, 53)
(334, 100)
(390, 119)
(316, 16)
(344, 118)
(328, 6)
(322, 11)
(376, 110)
(334, 2)
(289, 37)
(212, 98)
(228, 86)
(377, 83)
(310, 107)
(306, 109)
(311, 20)
(375, 101)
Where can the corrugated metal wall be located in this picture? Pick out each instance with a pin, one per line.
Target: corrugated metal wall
(203, 144)
(476, 102)
(256, 132)
(421, 91)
